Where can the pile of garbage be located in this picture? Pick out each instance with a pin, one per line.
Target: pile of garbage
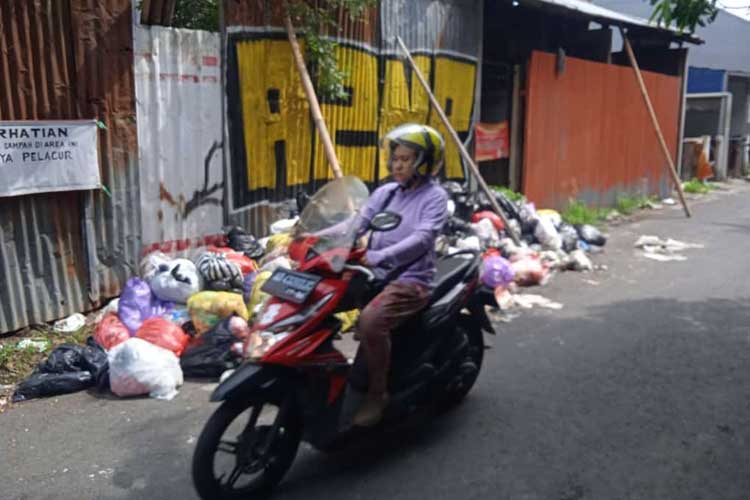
(548, 244)
(178, 318)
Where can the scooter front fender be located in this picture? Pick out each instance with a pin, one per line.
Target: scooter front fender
(252, 379)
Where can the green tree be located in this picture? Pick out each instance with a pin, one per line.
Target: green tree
(197, 15)
(686, 15)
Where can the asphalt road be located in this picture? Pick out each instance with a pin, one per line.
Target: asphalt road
(638, 389)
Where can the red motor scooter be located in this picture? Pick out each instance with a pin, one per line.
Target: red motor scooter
(295, 384)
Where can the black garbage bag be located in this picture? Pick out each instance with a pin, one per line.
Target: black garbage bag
(511, 211)
(569, 237)
(302, 199)
(213, 355)
(240, 241)
(69, 368)
(40, 385)
(591, 235)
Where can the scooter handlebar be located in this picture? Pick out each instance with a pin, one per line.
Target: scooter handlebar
(362, 269)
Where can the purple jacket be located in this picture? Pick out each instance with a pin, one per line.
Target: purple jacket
(412, 243)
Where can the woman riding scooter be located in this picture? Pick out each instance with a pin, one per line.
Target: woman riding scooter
(403, 258)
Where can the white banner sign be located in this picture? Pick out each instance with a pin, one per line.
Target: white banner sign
(40, 157)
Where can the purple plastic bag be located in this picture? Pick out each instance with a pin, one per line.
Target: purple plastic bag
(497, 272)
(247, 285)
(137, 304)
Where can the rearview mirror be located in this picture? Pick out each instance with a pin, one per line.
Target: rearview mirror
(385, 221)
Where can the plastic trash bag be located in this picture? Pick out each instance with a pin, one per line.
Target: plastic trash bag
(276, 263)
(591, 235)
(211, 354)
(218, 273)
(547, 235)
(348, 319)
(138, 367)
(243, 262)
(163, 333)
(569, 237)
(176, 283)
(208, 308)
(71, 324)
(240, 241)
(135, 303)
(470, 243)
(486, 231)
(151, 264)
(283, 225)
(552, 215)
(278, 241)
(69, 368)
(579, 261)
(111, 331)
(247, 285)
(257, 296)
(496, 272)
(179, 315)
(491, 216)
(529, 271)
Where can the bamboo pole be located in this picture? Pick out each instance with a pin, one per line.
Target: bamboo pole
(320, 124)
(467, 157)
(655, 121)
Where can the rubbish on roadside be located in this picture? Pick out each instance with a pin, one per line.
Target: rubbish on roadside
(662, 250)
(207, 308)
(247, 285)
(71, 324)
(276, 241)
(547, 235)
(111, 331)
(529, 271)
(578, 261)
(591, 235)
(469, 243)
(218, 273)
(551, 215)
(210, 355)
(112, 307)
(69, 368)
(257, 296)
(451, 208)
(348, 319)
(240, 241)
(569, 237)
(495, 219)
(138, 367)
(239, 327)
(527, 301)
(138, 303)
(37, 345)
(554, 260)
(503, 297)
(283, 225)
(163, 333)
(177, 282)
(486, 232)
(245, 263)
(669, 201)
(497, 271)
(151, 264)
(179, 315)
(278, 262)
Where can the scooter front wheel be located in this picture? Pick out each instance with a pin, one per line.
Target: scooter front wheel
(245, 449)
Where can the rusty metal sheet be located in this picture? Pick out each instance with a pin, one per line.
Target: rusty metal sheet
(588, 135)
(65, 252)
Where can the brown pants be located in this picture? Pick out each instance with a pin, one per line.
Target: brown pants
(390, 308)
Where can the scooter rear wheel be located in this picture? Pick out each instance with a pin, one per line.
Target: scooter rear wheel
(261, 448)
(469, 367)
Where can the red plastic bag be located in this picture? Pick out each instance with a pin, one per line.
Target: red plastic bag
(165, 334)
(111, 331)
(245, 263)
(492, 216)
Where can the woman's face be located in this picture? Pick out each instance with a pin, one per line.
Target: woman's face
(402, 163)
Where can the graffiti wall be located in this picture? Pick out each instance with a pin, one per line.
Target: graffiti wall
(178, 95)
(275, 150)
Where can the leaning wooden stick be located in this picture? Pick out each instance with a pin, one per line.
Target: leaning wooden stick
(320, 124)
(655, 121)
(457, 140)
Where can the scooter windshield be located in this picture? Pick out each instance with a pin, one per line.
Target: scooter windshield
(333, 215)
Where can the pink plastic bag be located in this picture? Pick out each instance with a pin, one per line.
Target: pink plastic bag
(529, 271)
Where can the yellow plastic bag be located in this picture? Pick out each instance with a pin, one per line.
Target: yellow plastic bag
(278, 241)
(208, 308)
(256, 295)
(348, 319)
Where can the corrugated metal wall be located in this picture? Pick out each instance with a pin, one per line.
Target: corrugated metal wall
(64, 252)
(588, 134)
(275, 151)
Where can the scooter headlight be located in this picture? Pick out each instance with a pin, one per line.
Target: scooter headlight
(261, 341)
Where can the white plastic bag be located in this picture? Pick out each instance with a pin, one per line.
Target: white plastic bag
(177, 282)
(547, 235)
(486, 231)
(139, 367)
(283, 225)
(151, 263)
(276, 263)
(470, 243)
